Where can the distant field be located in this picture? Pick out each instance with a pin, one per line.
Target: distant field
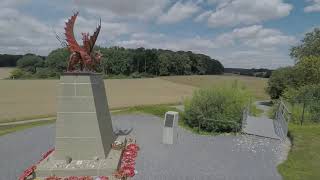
(255, 85)
(22, 99)
(5, 72)
(25, 99)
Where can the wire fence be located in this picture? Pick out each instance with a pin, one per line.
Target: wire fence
(304, 110)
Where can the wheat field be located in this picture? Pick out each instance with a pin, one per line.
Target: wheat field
(5, 72)
(255, 85)
(24, 99)
(27, 99)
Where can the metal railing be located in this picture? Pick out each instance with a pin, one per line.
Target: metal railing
(245, 114)
(282, 118)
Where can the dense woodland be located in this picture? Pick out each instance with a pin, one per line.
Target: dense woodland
(118, 61)
(8, 60)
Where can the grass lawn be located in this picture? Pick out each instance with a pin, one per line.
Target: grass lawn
(13, 128)
(156, 110)
(303, 161)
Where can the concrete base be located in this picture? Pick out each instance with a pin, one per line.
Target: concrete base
(101, 167)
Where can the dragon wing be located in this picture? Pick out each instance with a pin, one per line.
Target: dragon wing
(92, 40)
(72, 43)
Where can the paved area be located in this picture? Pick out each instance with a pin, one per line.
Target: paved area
(224, 157)
(21, 149)
(260, 126)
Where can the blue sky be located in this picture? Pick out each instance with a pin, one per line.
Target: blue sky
(239, 33)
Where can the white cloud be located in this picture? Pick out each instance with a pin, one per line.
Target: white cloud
(236, 12)
(202, 16)
(256, 36)
(141, 9)
(256, 58)
(178, 12)
(11, 3)
(161, 41)
(21, 34)
(314, 7)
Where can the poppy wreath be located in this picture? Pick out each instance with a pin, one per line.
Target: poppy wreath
(30, 170)
(127, 163)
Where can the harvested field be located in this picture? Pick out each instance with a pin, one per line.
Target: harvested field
(24, 99)
(5, 72)
(254, 84)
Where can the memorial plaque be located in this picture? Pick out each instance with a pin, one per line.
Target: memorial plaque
(170, 125)
(169, 120)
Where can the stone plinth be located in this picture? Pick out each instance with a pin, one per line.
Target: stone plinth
(170, 125)
(83, 128)
(84, 132)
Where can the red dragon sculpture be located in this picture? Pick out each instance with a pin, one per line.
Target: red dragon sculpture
(82, 57)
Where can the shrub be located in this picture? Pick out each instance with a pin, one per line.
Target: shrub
(280, 80)
(217, 109)
(16, 73)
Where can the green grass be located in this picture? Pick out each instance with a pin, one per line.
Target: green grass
(13, 128)
(27, 118)
(160, 110)
(156, 110)
(303, 161)
(254, 111)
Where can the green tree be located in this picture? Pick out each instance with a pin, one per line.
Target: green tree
(308, 70)
(310, 46)
(57, 60)
(30, 63)
(280, 80)
(164, 64)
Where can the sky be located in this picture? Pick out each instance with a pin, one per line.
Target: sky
(238, 33)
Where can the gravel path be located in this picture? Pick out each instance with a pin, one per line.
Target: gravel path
(193, 157)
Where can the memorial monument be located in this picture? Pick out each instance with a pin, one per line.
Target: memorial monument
(170, 123)
(84, 132)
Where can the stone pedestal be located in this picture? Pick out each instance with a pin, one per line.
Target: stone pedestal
(170, 126)
(84, 131)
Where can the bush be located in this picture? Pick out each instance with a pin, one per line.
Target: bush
(217, 109)
(16, 74)
(280, 80)
(44, 73)
(30, 63)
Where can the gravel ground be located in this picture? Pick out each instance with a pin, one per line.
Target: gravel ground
(223, 157)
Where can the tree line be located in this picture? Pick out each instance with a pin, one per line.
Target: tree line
(8, 60)
(119, 61)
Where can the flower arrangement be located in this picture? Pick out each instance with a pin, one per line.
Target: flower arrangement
(29, 171)
(127, 163)
(77, 178)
